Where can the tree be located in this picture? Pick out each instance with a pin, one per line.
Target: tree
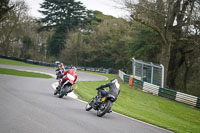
(63, 16)
(10, 27)
(18, 31)
(105, 46)
(5, 7)
(145, 46)
(172, 20)
(74, 49)
(27, 45)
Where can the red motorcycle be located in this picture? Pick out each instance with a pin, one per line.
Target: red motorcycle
(69, 78)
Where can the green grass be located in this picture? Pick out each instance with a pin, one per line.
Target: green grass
(19, 63)
(156, 110)
(23, 73)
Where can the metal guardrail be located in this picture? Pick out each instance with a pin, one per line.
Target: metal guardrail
(187, 99)
(167, 93)
(163, 92)
(138, 83)
(198, 103)
(126, 78)
(150, 88)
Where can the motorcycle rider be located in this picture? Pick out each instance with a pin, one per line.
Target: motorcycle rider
(57, 63)
(71, 71)
(60, 67)
(114, 89)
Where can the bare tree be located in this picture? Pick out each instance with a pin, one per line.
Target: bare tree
(5, 7)
(10, 27)
(173, 20)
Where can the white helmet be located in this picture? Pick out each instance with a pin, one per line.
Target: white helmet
(73, 67)
(115, 81)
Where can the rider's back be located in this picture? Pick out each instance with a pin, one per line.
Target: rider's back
(113, 90)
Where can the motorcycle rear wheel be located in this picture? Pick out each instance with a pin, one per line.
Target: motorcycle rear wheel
(107, 106)
(61, 95)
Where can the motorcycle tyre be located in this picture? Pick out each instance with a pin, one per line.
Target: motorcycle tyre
(55, 92)
(88, 107)
(107, 108)
(61, 95)
(88, 104)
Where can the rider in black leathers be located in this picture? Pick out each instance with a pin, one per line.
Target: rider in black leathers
(114, 89)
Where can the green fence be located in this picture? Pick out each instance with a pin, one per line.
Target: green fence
(167, 93)
(198, 102)
(126, 78)
(138, 83)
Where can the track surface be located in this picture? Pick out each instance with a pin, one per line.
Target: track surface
(27, 105)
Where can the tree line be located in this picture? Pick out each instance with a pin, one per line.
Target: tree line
(160, 31)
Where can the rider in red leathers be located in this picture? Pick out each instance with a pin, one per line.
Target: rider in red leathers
(69, 75)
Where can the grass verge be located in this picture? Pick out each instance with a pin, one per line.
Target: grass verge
(20, 63)
(156, 110)
(23, 73)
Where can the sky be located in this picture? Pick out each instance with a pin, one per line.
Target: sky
(108, 7)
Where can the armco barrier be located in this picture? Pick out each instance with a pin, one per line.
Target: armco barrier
(198, 102)
(167, 93)
(187, 99)
(151, 88)
(126, 78)
(138, 83)
(121, 75)
(155, 90)
(138, 78)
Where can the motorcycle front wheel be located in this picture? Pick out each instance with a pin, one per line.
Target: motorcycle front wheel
(88, 107)
(55, 92)
(105, 107)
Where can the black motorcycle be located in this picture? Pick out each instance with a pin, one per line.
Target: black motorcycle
(67, 88)
(102, 107)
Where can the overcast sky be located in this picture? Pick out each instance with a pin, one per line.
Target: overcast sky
(108, 7)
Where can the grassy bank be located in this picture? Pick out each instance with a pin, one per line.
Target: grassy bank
(23, 73)
(19, 63)
(156, 110)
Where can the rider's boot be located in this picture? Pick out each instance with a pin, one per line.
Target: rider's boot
(110, 111)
